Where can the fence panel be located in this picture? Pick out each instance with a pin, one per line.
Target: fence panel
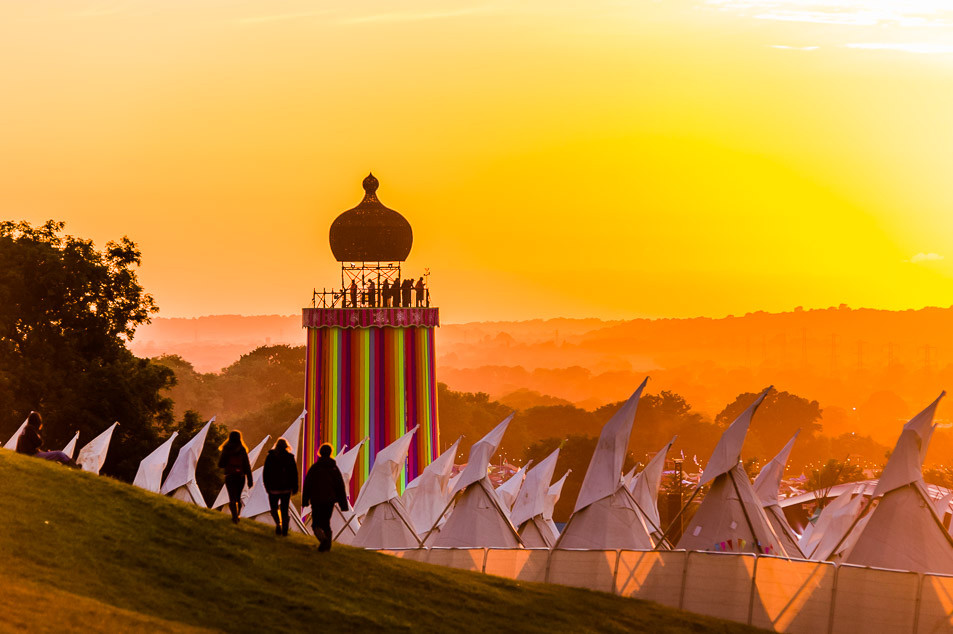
(461, 558)
(719, 584)
(873, 600)
(936, 605)
(792, 595)
(524, 565)
(592, 569)
(652, 575)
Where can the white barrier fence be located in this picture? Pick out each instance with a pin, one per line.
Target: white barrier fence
(777, 594)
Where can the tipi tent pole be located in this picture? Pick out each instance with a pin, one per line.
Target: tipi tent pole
(754, 535)
(939, 522)
(678, 515)
(401, 516)
(439, 517)
(642, 511)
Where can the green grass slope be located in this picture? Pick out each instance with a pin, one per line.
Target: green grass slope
(81, 552)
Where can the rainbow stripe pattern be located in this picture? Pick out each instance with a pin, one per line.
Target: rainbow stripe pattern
(374, 383)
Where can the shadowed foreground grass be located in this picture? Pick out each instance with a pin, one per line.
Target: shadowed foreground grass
(82, 552)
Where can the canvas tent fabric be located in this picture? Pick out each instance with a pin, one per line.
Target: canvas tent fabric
(381, 483)
(611, 523)
(480, 454)
(831, 515)
(12, 442)
(222, 498)
(427, 495)
(552, 497)
(904, 533)
(508, 491)
(476, 521)
(604, 475)
(531, 499)
(836, 525)
(93, 455)
(384, 522)
(727, 452)
(183, 469)
(70, 447)
(766, 486)
(149, 475)
(905, 465)
(606, 516)
(645, 487)
(477, 518)
(536, 533)
(731, 519)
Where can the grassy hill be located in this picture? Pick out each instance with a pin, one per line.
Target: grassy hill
(81, 552)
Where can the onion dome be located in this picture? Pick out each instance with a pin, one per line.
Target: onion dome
(371, 232)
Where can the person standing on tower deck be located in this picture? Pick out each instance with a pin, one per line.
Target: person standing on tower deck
(353, 289)
(405, 290)
(385, 295)
(323, 488)
(420, 292)
(371, 294)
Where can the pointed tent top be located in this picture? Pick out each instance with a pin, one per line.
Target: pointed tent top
(381, 484)
(604, 475)
(347, 460)
(183, 469)
(508, 491)
(531, 500)
(440, 468)
(768, 482)
(256, 451)
(480, 454)
(293, 433)
(905, 465)
(149, 475)
(727, 452)
(70, 447)
(93, 455)
(12, 443)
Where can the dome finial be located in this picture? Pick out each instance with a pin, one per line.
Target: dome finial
(371, 184)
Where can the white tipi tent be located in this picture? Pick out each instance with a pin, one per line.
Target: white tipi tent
(384, 521)
(478, 519)
(93, 455)
(644, 488)
(530, 506)
(509, 490)
(256, 504)
(12, 442)
(731, 518)
(70, 447)
(180, 483)
(427, 495)
(606, 516)
(343, 523)
(221, 500)
(904, 532)
(149, 475)
(767, 485)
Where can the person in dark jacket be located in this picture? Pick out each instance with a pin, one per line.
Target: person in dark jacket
(30, 442)
(323, 488)
(280, 478)
(234, 461)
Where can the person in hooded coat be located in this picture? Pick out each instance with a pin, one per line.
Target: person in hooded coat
(280, 478)
(323, 488)
(234, 461)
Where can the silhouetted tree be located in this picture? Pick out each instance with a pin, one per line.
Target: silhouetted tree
(66, 313)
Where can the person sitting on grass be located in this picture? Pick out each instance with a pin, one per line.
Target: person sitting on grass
(323, 488)
(234, 461)
(280, 478)
(30, 442)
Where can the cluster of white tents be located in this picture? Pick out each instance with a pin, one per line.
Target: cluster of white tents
(896, 525)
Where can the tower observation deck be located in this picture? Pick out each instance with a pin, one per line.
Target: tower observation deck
(370, 344)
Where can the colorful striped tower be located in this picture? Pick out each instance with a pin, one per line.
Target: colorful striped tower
(370, 346)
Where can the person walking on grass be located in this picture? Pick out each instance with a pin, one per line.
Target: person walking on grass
(323, 488)
(234, 461)
(30, 442)
(280, 478)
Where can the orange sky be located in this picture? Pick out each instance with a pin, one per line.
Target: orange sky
(612, 159)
